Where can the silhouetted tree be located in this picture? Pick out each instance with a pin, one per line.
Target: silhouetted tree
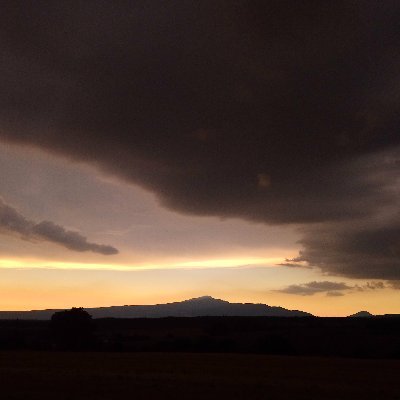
(72, 329)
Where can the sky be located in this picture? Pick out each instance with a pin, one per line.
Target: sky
(158, 151)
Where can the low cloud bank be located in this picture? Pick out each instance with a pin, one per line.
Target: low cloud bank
(332, 289)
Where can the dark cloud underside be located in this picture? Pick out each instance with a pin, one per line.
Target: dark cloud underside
(363, 250)
(251, 109)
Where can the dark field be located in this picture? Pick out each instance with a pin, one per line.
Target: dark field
(202, 358)
(64, 375)
(373, 338)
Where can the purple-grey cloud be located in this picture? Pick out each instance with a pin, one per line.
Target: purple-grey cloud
(311, 288)
(330, 288)
(13, 222)
(334, 294)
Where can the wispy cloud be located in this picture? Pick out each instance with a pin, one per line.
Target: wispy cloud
(332, 289)
(13, 222)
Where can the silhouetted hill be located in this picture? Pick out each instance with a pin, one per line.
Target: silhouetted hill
(362, 314)
(197, 307)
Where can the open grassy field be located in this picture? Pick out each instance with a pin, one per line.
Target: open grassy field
(53, 375)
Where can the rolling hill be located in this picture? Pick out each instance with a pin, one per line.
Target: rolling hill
(196, 307)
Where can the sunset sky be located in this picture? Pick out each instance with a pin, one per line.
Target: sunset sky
(157, 151)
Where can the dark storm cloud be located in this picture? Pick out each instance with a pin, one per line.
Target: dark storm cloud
(367, 249)
(250, 109)
(13, 222)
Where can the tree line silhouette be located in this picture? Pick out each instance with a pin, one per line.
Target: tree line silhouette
(72, 329)
(75, 330)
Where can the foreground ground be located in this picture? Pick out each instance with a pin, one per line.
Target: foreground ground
(53, 375)
(373, 338)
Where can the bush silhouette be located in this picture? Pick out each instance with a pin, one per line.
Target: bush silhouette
(72, 329)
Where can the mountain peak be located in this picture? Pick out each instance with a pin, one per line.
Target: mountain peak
(195, 307)
(204, 299)
(362, 314)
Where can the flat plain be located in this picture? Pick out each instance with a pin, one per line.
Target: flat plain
(73, 375)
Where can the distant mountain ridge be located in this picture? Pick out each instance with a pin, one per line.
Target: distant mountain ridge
(196, 307)
(362, 314)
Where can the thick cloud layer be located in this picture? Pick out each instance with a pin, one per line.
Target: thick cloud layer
(251, 109)
(13, 222)
(367, 247)
(361, 250)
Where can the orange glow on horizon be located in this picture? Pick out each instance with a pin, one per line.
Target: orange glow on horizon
(28, 284)
(197, 264)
